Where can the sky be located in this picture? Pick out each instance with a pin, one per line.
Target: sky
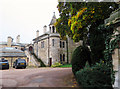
(25, 17)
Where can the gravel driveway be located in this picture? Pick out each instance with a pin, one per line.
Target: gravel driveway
(35, 77)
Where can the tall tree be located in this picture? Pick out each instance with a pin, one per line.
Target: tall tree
(80, 19)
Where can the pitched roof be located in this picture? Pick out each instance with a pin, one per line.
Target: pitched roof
(12, 55)
(13, 44)
(11, 52)
(53, 20)
(10, 49)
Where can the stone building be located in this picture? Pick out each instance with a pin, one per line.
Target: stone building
(10, 43)
(50, 48)
(12, 50)
(11, 54)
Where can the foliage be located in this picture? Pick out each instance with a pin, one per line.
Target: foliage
(98, 76)
(62, 22)
(57, 64)
(80, 16)
(81, 20)
(39, 60)
(66, 65)
(97, 42)
(79, 58)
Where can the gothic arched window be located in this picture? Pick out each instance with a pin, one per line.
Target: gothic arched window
(53, 28)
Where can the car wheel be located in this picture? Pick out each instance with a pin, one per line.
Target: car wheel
(15, 67)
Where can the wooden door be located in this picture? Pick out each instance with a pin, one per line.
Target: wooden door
(50, 61)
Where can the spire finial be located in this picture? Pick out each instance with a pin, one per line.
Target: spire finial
(54, 13)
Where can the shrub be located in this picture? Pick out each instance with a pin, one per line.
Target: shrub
(79, 58)
(57, 64)
(98, 76)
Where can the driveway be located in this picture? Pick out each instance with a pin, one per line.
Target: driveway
(35, 77)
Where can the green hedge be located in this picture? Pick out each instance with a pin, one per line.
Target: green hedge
(98, 76)
(79, 58)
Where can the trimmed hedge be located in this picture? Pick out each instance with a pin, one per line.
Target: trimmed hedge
(98, 76)
(79, 58)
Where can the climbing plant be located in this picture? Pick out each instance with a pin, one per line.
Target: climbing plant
(111, 43)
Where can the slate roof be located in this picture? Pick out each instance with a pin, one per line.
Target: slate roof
(13, 44)
(11, 52)
(12, 55)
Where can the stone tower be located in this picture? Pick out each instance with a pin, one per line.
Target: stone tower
(51, 25)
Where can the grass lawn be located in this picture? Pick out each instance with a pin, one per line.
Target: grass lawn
(66, 65)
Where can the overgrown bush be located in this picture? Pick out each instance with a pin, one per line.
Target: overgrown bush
(98, 76)
(79, 58)
(57, 64)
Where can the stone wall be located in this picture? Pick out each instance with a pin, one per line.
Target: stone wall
(116, 56)
(43, 52)
(54, 50)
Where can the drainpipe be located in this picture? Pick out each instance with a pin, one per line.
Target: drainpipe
(67, 50)
(48, 49)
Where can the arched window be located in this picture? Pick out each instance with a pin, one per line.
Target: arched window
(53, 28)
(53, 42)
(63, 57)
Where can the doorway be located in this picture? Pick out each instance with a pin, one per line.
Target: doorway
(50, 61)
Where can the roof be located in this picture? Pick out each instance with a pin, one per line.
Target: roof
(13, 44)
(12, 55)
(53, 20)
(11, 52)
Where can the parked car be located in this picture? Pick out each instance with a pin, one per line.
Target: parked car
(19, 63)
(4, 64)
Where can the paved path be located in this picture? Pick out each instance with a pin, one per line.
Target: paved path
(36, 77)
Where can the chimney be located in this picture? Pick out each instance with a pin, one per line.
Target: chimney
(9, 41)
(37, 33)
(45, 29)
(18, 39)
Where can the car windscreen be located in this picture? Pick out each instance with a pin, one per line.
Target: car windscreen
(21, 60)
(3, 60)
